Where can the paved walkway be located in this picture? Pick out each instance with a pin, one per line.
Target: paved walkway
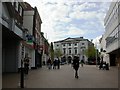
(89, 77)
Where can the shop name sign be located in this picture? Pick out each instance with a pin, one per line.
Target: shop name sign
(29, 38)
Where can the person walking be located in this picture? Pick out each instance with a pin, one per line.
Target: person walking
(82, 62)
(58, 63)
(49, 63)
(54, 63)
(76, 65)
(26, 63)
(101, 64)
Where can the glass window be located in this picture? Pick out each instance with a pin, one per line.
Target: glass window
(118, 35)
(69, 51)
(16, 6)
(63, 44)
(13, 3)
(21, 10)
(75, 51)
(83, 50)
(82, 47)
(64, 50)
(69, 44)
(82, 43)
(112, 37)
(75, 44)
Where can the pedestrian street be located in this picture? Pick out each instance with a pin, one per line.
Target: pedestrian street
(89, 77)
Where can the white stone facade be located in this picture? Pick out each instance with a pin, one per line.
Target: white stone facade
(73, 47)
(112, 32)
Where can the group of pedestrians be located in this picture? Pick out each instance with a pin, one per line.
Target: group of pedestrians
(103, 65)
(55, 64)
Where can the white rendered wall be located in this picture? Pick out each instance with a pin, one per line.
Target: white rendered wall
(32, 60)
(109, 29)
(28, 20)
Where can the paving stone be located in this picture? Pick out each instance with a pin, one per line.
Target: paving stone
(89, 77)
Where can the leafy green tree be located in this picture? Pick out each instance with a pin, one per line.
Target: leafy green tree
(58, 53)
(90, 52)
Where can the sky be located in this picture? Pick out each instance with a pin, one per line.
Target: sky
(72, 18)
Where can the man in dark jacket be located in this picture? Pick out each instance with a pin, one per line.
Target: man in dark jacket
(49, 63)
(26, 63)
(76, 65)
(58, 63)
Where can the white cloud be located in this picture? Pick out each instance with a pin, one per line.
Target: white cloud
(75, 31)
(54, 12)
(83, 6)
(96, 42)
(83, 15)
(62, 33)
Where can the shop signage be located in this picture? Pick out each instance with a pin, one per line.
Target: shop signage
(29, 38)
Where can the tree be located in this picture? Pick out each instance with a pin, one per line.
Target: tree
(90, 52)
(58, 53)
(51, 51)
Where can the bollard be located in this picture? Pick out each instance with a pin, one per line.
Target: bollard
(22, 78)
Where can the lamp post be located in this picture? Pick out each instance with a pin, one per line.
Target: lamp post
(22, 69)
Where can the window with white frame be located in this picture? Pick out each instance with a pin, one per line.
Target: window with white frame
(21, 10)
(16, 6)
(83, 43)
(69, 50)
(13, 3)
(75, 50)
(69, 44)
(63, 44)
(75, 44)
(64, 50)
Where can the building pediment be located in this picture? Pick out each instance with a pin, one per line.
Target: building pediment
(68, 40)
(71, 40)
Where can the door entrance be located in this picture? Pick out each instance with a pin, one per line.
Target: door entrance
(112, 59)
